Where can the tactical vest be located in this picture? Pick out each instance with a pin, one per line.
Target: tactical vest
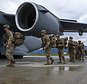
(45, 41)
(60, 43)
(80, 46)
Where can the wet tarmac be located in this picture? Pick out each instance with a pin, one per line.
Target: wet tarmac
(33, 71)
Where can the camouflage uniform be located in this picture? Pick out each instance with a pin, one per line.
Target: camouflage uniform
(60, 46)
(71, 49)
(83, 52)
(74, 51)
(76, 55)
(46, 47)
(9, 47)
(80, 51)
(65, 42)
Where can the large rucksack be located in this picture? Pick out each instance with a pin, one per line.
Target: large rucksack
(18, 38)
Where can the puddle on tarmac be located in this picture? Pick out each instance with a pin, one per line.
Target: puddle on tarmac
(68, 68)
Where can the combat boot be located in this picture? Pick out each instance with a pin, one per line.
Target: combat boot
(9, 64)
(52, 60)
(12, 63)
(59, 60)
(82, 59)
(63, 59)
(48, 63)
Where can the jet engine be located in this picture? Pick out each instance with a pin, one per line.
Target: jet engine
(33, 18)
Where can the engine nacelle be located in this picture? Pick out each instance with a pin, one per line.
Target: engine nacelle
(33, 18)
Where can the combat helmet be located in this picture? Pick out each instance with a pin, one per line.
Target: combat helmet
(6, 26)
(43, 31)
(70, 37)
(79, 41)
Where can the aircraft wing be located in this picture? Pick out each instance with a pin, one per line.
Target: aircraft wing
(7, 18)
(73, 26)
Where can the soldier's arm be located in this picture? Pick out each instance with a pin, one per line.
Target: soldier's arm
(47, 45)
(10, 38)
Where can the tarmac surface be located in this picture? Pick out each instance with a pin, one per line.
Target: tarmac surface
(31, 70)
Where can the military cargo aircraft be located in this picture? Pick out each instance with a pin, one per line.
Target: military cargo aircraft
(30, 19)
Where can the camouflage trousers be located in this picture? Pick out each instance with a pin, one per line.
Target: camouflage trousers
(48, 57)
(72, 55)
(80, 55)
(47, 52)
(9, 52)
(61, 56)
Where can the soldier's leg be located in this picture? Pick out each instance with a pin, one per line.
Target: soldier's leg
(63, 58)
(52, 60)
(70, 59)
(47, 57)
(59, 56)
(76, 55)
(72, 56)
(9, 55)
(82, 56)
(12, 60)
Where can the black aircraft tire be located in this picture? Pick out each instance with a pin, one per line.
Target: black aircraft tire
(2, 56)
(18, 56)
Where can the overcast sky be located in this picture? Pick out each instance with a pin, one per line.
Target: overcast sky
(71, 9)
(66, 9)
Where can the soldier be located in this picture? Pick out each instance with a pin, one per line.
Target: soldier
(46, 46)
(60, 46)
(71, 49)
(9, 45)
(80, 50)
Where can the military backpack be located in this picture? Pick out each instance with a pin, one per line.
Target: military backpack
(18, 38)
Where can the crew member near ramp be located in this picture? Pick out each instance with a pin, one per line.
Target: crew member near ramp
(46, 46)
(9, 45)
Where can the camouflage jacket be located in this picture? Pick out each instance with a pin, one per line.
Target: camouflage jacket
(60, 43)
(9, 38)
(46, 41)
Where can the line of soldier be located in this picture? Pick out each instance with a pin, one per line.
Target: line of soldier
(75, 49)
